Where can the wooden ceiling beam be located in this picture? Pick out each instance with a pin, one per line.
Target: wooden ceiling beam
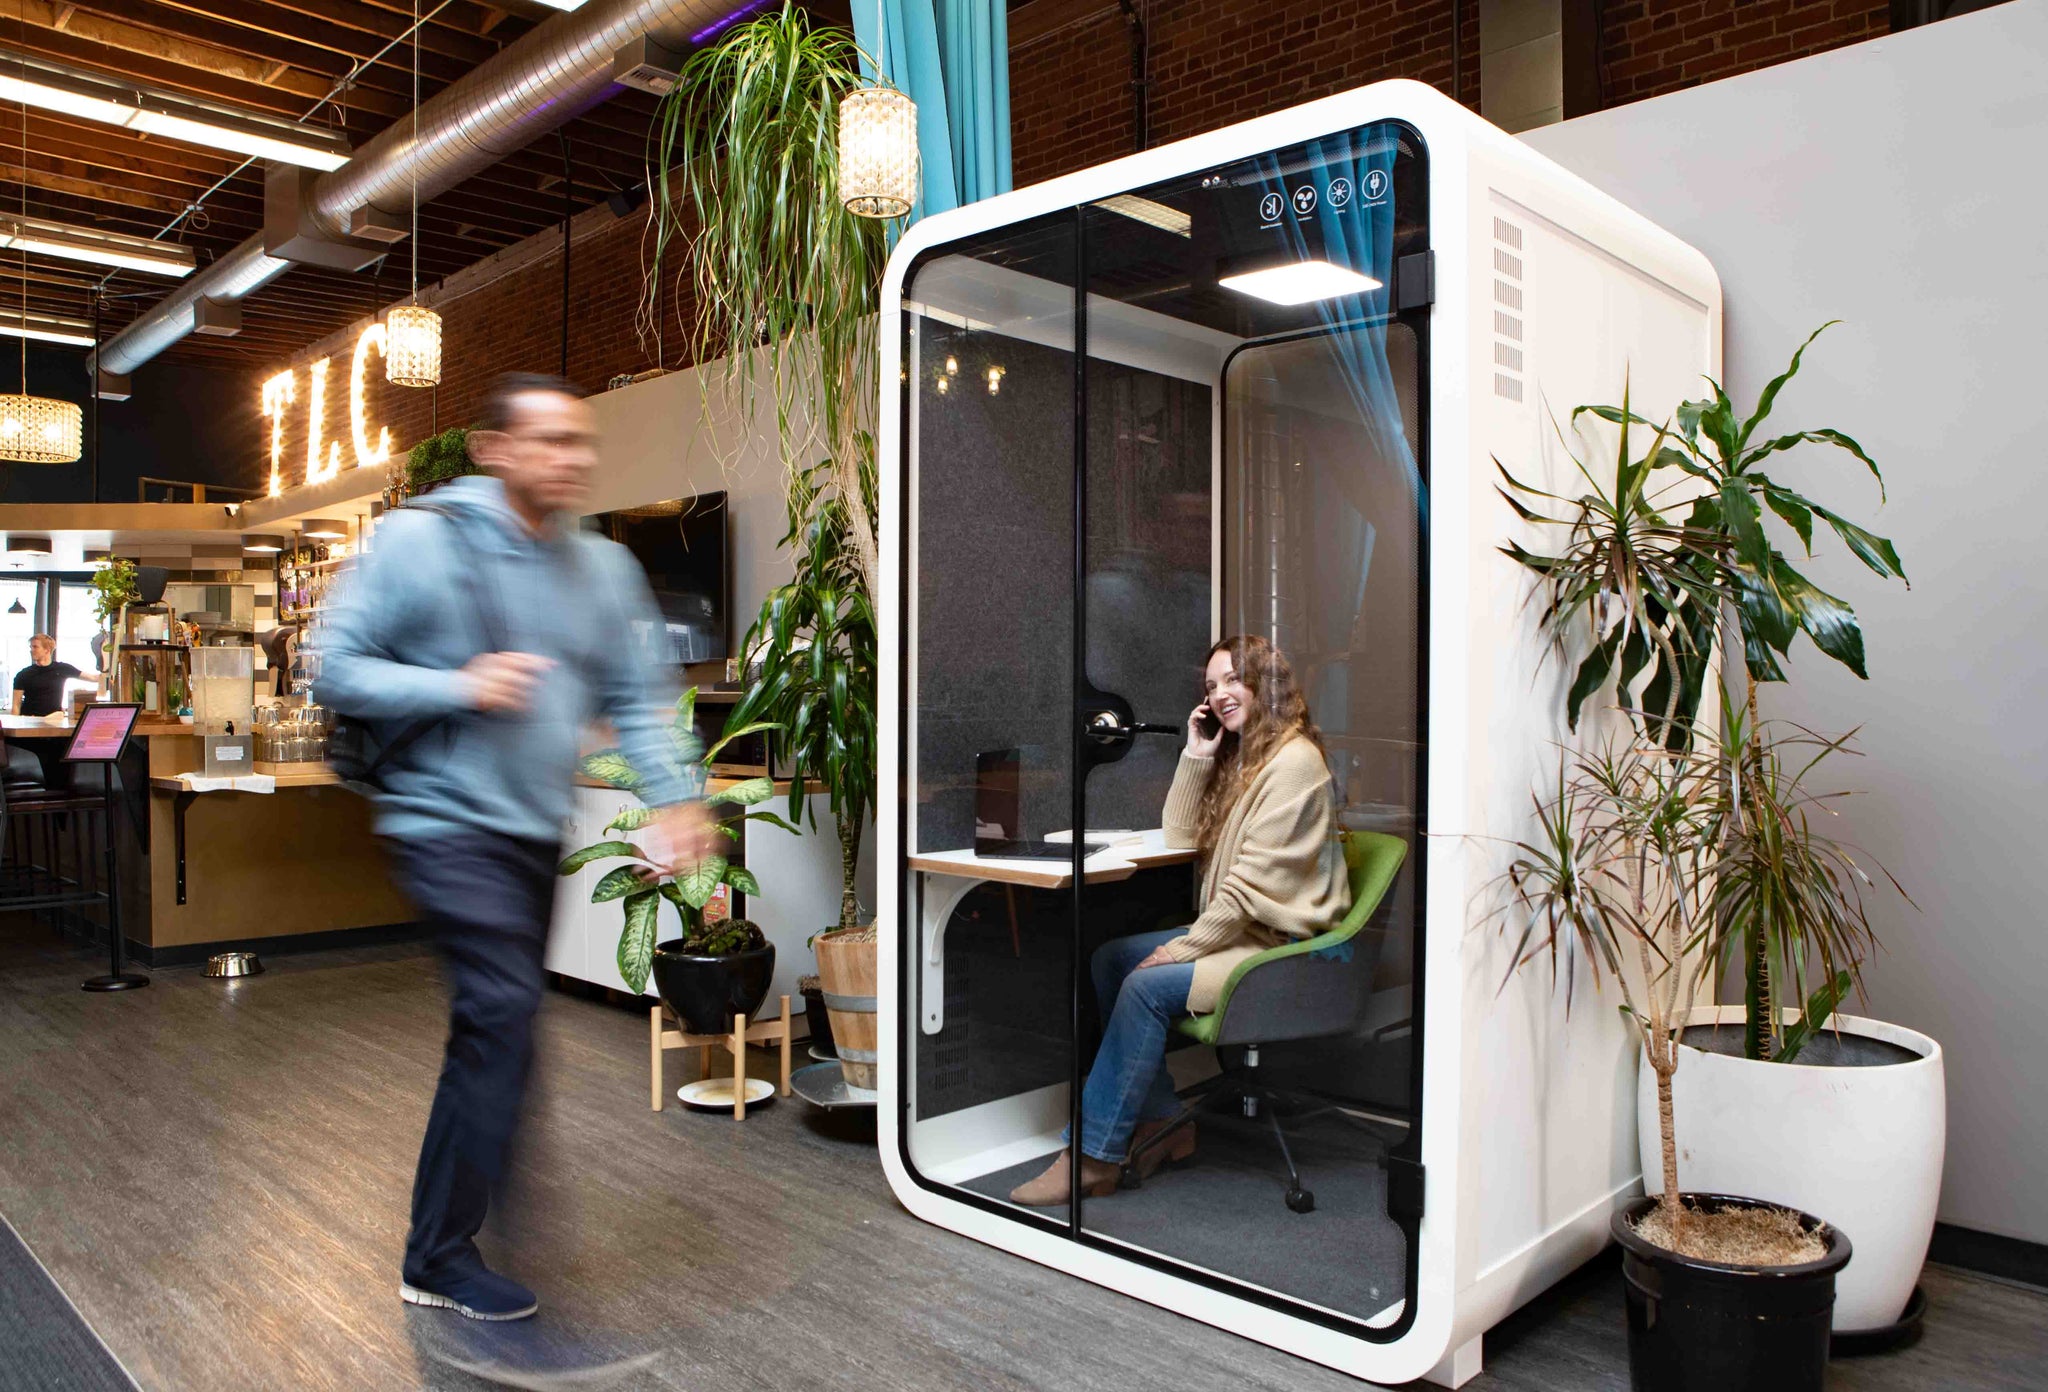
(147, 175)
(69, 176)
(293, 62)
(263, 26)
(290, 16)
(119, 65)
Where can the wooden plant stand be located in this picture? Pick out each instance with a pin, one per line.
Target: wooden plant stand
(660, 1037)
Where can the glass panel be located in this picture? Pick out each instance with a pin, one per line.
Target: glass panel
(1253, 472)
(17, 629)
(76, 626)
(988, 466)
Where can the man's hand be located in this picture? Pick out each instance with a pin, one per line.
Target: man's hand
(681, 836)
(503, 681)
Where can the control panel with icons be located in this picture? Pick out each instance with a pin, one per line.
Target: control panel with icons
(1340, 196)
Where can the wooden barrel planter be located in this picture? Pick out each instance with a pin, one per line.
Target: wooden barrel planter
(846, 965)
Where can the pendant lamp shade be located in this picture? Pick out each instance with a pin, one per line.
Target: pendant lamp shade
(412, 346)
(878, 160)
(40, 429)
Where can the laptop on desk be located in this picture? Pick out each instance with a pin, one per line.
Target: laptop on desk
(1001, 830)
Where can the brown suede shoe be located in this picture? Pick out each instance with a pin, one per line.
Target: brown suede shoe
(1098, 1181)
(1177, 1150)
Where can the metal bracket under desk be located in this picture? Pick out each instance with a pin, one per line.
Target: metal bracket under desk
(938, 903)
(179, 802)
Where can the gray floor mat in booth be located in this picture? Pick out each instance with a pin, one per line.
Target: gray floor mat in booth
(1225, 1212)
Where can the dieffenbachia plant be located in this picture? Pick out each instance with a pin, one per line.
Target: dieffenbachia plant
(640, 885)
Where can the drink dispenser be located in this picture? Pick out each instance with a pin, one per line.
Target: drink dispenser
(223, 689)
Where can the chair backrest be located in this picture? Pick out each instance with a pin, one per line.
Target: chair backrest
(1371, 860)
(1318, 986)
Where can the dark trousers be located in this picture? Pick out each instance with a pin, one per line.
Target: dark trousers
(488, 900)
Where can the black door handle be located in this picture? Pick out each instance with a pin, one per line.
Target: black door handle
(1107, 725)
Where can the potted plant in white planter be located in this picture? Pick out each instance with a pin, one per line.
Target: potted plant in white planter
(1801, 1105)
(713, 970)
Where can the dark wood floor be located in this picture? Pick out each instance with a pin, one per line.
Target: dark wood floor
(217, 1175)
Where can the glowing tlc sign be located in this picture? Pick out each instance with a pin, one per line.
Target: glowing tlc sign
(323, 456)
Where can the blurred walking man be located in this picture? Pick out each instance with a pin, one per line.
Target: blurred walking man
(476, 638)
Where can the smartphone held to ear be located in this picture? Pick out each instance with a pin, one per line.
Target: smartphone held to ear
(1208, 724)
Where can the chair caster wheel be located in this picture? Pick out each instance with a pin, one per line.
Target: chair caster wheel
(1301, 1201)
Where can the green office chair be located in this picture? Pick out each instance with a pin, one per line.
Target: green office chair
(1311, 989)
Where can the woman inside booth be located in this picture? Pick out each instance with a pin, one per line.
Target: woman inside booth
(1253, 794)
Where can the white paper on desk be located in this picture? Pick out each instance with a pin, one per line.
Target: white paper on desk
(245, 783)
(1100, 840)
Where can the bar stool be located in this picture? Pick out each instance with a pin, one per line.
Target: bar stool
(81, 813)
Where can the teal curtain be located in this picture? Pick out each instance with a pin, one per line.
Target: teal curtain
(951, 57)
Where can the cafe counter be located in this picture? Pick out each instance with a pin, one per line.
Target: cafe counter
(204, 871)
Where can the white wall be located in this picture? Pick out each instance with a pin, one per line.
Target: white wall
(657, 442)
(1897, 185)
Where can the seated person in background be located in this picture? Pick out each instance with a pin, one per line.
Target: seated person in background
(39, 687)
(1253, 794)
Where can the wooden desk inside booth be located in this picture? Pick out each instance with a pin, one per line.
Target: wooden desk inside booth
(950, 876)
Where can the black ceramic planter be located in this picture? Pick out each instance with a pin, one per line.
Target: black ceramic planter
(1697, 1326)
(706, 992)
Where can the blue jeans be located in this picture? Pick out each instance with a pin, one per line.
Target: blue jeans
(488, 899)
(1129, 1082)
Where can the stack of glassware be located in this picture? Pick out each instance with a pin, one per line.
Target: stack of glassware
(292, 734)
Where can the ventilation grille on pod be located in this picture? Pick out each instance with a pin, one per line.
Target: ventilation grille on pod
(1507, 312)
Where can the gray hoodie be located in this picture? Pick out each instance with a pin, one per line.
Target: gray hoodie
(404, 621)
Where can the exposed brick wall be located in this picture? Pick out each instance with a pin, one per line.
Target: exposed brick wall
(1213, 62)
(512, 324)
(515, 325)
(1649, 47)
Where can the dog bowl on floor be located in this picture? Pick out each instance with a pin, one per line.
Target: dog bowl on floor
(233, 964)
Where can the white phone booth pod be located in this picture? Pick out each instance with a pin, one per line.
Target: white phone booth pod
(1253, 382)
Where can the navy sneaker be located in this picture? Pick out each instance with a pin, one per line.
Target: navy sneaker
(484, 1295)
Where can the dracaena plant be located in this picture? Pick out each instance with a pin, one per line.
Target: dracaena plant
(1619, 875)
(1648, 861)
(1650, 573)
(814, 642)
(640, 885)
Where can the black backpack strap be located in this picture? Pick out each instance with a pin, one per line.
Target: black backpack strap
(488, 619)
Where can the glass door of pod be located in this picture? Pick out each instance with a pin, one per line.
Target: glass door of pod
(1183, 417)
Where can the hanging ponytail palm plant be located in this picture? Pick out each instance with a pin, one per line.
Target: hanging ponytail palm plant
(784, 283)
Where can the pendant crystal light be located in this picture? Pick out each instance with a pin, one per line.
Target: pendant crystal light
(412, 332)
(878, 160)
(412, 346)
(36, 429)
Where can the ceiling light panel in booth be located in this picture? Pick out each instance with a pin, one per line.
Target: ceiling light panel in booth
(276, 60)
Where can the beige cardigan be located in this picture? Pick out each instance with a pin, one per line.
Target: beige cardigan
(1276, 873)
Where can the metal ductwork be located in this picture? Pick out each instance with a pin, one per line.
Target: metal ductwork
(551, 76)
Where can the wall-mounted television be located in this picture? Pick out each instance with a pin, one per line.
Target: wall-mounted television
(682, 544)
